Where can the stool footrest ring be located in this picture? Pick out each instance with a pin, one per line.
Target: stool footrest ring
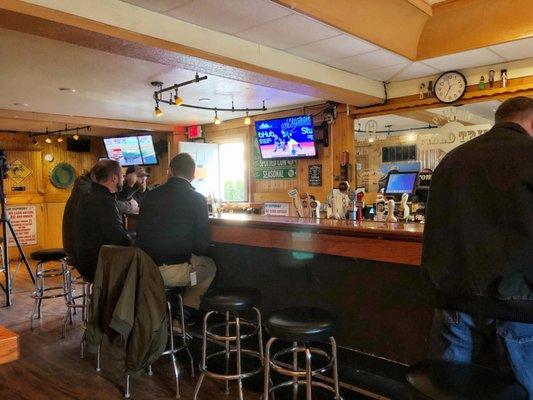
(243, 375)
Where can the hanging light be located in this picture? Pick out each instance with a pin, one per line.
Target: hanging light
(59, 139)
(76, 136)
(247, 119)
(157, 110)
(178, 101)
(35, 142)
(48, 140)
(371, 140)
(217, 120)
(411, 137)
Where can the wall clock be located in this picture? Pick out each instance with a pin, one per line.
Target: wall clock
(450, 87)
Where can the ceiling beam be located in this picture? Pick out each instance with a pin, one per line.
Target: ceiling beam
(426, 117)
(78, 120)
(120, 28)
(400, 22)
(469, 24)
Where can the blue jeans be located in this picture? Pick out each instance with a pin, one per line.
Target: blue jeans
(503, 345)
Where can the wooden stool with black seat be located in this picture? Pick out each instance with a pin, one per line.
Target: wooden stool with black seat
(232, 304)
(301, 326)
(43, 292)
(446, 380)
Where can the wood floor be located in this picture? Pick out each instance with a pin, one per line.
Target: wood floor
(51, 368)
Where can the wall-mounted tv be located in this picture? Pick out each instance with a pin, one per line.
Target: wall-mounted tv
(292, 137)
(131, 150)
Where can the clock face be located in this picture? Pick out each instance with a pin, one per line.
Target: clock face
(450, 87)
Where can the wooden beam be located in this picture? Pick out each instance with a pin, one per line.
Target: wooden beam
(79, 120)
(516, 87)
(400, 21)
(471, 24)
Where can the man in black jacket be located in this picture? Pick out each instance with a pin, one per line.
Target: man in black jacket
(98, 220)
(478, 246)
(174, 230)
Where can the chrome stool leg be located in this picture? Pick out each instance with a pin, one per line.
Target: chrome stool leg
(227, 353)
(238, 344)
(203, 365)
(295, 369)
(266, 387)
(37, 294)
(173, 349)
(335, 368)
(308, 376)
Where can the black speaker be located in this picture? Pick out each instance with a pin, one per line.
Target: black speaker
(79, 146)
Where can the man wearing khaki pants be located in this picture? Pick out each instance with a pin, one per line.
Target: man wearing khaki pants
(174, 230)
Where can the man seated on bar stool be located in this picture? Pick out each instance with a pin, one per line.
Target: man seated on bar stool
(98, 219)
(478, 247)
(173, 229)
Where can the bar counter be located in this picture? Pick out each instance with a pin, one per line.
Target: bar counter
(365, 272)
(378, 241)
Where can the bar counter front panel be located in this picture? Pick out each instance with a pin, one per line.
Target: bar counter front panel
(367, 273)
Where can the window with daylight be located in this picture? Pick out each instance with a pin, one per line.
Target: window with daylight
(232, 171)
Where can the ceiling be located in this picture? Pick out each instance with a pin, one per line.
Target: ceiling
(114, 86)
(272, 25)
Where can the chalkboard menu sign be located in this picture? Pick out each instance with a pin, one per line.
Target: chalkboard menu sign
(315, 175)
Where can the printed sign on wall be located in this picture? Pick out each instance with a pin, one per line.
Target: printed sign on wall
(18, 171)
(277, 209)
(315, 175)
(24, 221)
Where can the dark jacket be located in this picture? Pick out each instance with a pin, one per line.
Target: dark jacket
(81, 187)
(139, 196)
(129, 300)
(98, 222)
(478, 238)
(173, 223)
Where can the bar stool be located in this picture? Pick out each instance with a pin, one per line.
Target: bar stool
(42, 257)
(72, 306)
(173, 294)
(232, 303)
(445, 380)
(301, 325)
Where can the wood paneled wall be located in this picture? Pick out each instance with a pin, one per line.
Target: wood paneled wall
(341, 139)
(49, 200)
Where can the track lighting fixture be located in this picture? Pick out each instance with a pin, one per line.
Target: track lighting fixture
(59, 139)
(48, 140)
(175, 100)
(59, 132)
(75, 136)
(217, 120)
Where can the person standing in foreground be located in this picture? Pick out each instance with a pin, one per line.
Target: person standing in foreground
(478, 247)
(98, 220)
(173, 229)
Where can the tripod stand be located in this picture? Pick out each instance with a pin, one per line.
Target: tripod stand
(6, 224)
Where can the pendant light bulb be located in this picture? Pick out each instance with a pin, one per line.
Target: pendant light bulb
(247, 119)
(48, 140)
(370, 140)
(217, 120)
(75, 136)
(35, 142)
(178, 101)
(59, 139)
(158, 111)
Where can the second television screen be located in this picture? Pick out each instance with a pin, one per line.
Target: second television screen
(131, 150)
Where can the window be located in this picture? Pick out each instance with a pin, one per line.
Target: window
(232, 171)
(220, 169)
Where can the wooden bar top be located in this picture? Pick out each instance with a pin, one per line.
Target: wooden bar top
(9, 345)
(411, 232)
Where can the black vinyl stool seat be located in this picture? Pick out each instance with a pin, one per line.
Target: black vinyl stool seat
(42, 291)
(47, 255)
(445, 380)
(300, 326)
(231, 303)
(232, 299)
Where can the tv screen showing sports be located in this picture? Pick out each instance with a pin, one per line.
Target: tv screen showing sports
(292, 137)
(131, 150)
(401, 182)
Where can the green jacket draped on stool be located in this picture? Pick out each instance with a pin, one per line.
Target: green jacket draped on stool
(129, 300)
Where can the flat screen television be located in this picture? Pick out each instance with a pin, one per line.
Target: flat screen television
(292, 137)
(131, 150)
(401, 182)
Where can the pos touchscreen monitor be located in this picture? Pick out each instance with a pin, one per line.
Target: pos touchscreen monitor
(401, 182)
